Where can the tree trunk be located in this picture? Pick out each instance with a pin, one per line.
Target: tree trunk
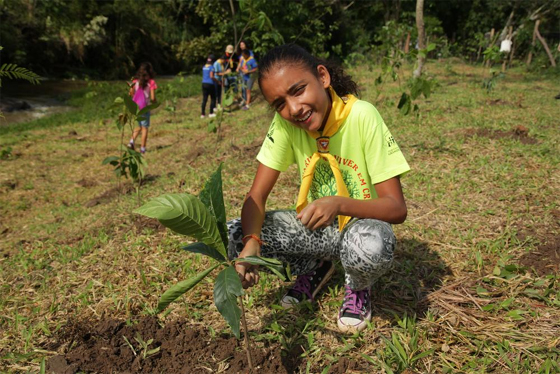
(511, 54)
(421, 38)
(543, 42)
(530, 55)
(511, 48)
(487, 63)
(407, 43)
(233, 18)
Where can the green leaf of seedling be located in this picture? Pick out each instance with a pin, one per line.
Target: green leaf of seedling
(228, 98)
(213, 197)
(416, 88)
(152, 351)
(405, 104)
(180, 288)
(185, 214)
(431, 47)
(110, 160)
(148, 108)
(227, 288)
(131, 106)
(274, 265)
(212, 127)
(426, 88)
(205, 250)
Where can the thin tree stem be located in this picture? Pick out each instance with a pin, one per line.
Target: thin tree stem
(247, 347)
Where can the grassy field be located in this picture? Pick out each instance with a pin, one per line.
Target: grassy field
(475, 286)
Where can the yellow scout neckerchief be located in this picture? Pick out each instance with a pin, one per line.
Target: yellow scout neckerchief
(244, 63)
(339, 112)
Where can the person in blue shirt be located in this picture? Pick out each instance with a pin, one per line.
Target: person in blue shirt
(247, 66)
(219, 72)
(208, 88)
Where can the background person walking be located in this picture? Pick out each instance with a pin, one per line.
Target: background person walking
(143, 92)
(208, 89)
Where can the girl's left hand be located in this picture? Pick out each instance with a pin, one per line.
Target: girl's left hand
(320, 213)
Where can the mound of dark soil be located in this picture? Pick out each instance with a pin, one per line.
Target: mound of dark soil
(545, 260)
(520, 133)
(102, 348)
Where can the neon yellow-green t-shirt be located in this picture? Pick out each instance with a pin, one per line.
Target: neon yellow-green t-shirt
(366, 152)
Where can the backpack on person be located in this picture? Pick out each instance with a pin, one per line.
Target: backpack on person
(139, 98)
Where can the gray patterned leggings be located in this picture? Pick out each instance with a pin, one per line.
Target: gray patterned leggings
(365, 246)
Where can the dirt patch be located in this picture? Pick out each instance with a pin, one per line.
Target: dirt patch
(545, 260)
(193, 154)
(102, 348)
(345, 366)
(150, 178)
(87, 183)
(141, 222)
(520, 133)
(109, 195)
(497, 102)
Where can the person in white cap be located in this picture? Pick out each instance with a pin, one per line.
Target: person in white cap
(231, 63)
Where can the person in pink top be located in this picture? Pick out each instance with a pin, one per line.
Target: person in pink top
(143, 82)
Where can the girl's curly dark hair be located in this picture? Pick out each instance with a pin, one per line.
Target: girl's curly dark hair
(296, 55)
(144, 74)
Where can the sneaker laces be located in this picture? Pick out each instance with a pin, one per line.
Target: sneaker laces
(355, 302)
(303, 285)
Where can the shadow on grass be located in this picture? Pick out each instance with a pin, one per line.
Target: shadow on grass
(417, 272)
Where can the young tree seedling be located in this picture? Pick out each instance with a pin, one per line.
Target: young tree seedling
(204, 218)
(130, 162)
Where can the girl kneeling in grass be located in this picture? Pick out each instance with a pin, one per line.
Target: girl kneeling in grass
(350, 168)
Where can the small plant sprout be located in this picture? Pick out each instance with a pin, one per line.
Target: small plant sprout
(204, 218)
(146, 352)
(130, 162)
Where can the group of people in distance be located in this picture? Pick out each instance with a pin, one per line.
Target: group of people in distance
(228, 72)
(350, 167)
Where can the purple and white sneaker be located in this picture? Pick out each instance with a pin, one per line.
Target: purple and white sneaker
(307, 286)
(355, 312)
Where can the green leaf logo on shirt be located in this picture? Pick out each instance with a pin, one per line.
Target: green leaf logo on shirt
(324, 183)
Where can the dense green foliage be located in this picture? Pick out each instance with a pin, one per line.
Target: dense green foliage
(108, 38)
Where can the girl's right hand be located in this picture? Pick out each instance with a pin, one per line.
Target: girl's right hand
(248, 273)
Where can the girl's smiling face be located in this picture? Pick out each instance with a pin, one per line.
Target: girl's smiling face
(298, 95)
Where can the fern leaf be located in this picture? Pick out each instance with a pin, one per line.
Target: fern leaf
(13, 71)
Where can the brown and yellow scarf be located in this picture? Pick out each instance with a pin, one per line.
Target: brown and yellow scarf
(339, 112)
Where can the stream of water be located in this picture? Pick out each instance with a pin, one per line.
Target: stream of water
(42, 99)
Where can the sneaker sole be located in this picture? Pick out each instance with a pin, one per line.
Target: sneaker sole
(289, 305)
(353, 328)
